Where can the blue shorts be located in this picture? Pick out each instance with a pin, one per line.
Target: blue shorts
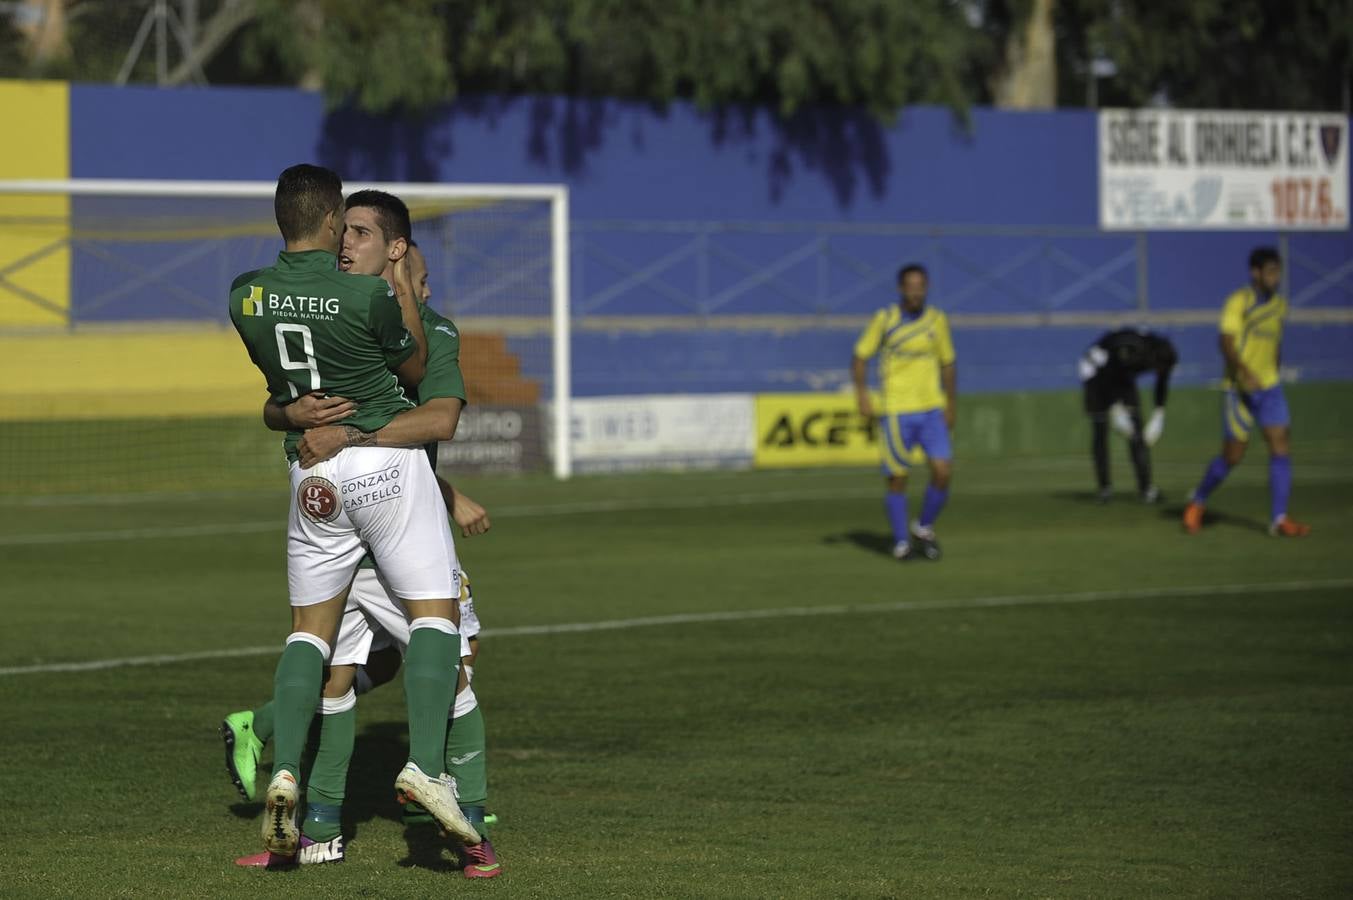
(903, 435)
(1241, 412)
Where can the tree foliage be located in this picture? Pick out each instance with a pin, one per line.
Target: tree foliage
(872, 54)
(1258, 54)
(1212, 54)
(878, 55)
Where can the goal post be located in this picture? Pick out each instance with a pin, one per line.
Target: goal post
(105, 283)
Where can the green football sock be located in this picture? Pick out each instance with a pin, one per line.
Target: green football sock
(431, 666)
(465, 758)
(263, 722)
(295, 696)
(323, 821)
(328, 779)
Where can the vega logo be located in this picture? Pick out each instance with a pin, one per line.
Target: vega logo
(253, 304)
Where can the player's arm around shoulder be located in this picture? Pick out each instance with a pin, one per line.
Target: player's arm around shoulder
(434, 420)
(313, 410)
(441, 393)
(412, 370)
(405, 351)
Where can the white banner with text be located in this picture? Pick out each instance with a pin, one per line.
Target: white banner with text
(663, 431)
(1202, 169)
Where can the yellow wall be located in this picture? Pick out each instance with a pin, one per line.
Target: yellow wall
(147, 374)
(36, 292)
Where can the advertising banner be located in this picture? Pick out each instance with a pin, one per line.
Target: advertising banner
(1201, 169)
(815, 430)
(495, 439)
(700, 430)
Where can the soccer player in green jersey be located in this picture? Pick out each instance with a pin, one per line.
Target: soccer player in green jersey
(309, 327)
(374, 632)
(1251, 335)
(372, 650)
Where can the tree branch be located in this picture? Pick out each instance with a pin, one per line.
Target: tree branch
(222, 26)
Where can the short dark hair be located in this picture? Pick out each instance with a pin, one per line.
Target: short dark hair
(391, 214)
(1262, 256)
(305, 194)
(912, 267)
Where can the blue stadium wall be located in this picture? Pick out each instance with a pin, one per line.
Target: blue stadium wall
(645, 182)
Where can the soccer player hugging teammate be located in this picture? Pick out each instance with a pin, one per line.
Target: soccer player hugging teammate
(1251, 334)
(373, 645)
(1109, 371)
(916, 374)
(309, 327)
(374, 632)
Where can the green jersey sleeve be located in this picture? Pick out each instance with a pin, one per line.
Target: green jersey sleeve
(387, 324)
(443, 377)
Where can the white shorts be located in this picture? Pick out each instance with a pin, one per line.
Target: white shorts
(469, 620)
(382, 498)
(374, 620)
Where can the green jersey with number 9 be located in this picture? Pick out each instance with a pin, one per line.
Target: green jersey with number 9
(309, 327)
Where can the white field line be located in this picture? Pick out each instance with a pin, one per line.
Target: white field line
(744, 615)
(568, 509)
(136, 534)
(1310, 472)
(545, 509)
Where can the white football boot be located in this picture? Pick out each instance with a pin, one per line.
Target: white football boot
(438, 797)
(280, 834)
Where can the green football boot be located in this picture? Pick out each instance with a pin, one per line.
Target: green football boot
(242, 749)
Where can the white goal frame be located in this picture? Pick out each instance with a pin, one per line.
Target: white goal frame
(554, 194)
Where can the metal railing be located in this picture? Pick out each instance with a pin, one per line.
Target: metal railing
(628, 269)
(830, 269)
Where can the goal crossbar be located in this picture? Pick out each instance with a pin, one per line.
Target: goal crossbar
(554, 194)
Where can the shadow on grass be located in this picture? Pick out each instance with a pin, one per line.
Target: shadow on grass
(871, 541)
(1088, 498)
(1211, 519)
(1174, 512)
(428, 850)
(248, 809)
(1124, 497)
(381, 750)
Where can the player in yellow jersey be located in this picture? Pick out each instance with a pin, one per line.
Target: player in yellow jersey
(1251, 334)
(919, 393)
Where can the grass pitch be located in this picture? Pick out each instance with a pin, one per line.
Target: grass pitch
(1078, 701)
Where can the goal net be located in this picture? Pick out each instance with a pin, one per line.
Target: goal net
(122, 372)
